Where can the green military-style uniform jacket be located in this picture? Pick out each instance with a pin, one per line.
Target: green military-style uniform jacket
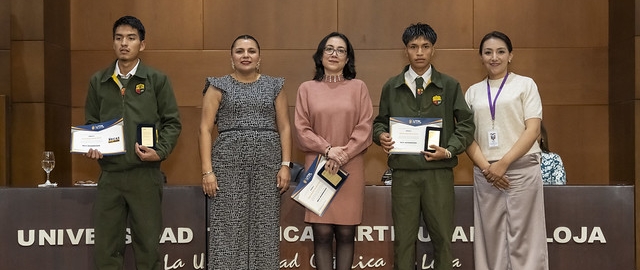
(148, 99)
(442, 98)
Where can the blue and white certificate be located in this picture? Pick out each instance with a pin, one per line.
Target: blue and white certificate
(317, 189)
(107, 137)
(414, 135)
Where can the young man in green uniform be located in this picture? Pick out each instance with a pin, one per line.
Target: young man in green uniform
(130, 185)
(423, 183)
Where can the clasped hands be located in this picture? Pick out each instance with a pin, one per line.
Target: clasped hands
(336, 158)
(495, 175)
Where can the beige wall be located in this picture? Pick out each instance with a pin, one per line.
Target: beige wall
(564, 48)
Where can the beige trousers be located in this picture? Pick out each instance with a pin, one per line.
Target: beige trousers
(509, 225)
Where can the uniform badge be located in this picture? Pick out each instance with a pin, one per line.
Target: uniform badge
(140, 88)
(437, 100)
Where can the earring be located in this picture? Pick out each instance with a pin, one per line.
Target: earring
(258, 67)
(233, 66)
(509, 61)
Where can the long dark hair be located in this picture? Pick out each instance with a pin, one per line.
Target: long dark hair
(349, 70)
(544, 141)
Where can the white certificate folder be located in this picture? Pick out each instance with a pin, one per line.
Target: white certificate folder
(414, 135)
(107, 137)
(318, 188)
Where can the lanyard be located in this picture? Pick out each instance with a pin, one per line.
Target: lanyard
(492, 105)
(115, 79)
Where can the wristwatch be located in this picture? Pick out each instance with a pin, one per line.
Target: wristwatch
(287, 163)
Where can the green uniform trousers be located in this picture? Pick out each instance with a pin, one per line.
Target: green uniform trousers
(135, 196)
(431, 193)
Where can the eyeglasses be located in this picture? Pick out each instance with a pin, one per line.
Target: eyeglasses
(331, 50)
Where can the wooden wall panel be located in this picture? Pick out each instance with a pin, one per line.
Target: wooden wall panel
(561, 74)
(27, 144)
(4, 140)
(183, 165)
(27, 20)
(5, 69)
(380, 24)
(57, 90)
(637, 67)
(188, 71)
(464, 65)
(636, 135)
(579, 134)
(57, 25)
(169, 24)
(83, 65)
(277, 24)
(463, 173)
(622, 141)
(621, 93)
(5, 24)
(27, 71)
(636, 5)
(296, 66)
(375, 67)
(544, 23)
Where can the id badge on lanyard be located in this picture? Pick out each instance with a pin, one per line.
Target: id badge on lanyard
(492, 135)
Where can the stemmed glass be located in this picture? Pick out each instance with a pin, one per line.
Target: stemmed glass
(48, 163)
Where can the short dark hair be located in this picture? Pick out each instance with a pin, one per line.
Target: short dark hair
(498, 35)
(131, 21)
(349, 70)
(245, 36)
(419, 30)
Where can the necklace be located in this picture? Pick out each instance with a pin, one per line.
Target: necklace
(245, 79)
(333, 78)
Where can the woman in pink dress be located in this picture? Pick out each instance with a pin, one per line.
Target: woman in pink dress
(333, 117)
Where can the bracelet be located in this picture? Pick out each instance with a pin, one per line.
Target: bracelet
(447, 153)
(326, 153)
(206, 173)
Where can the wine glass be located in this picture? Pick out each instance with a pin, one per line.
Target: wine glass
(48, 163)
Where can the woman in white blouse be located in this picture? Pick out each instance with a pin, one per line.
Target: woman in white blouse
(509, 218)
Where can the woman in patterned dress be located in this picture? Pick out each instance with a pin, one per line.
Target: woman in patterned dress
(247, 168)
(334, 116)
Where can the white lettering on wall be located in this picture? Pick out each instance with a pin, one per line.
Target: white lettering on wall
(289, 234)
(61, 237)
(290, 264)
(184, 235)
(564, 235)
(428, 263)
(198, 264)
